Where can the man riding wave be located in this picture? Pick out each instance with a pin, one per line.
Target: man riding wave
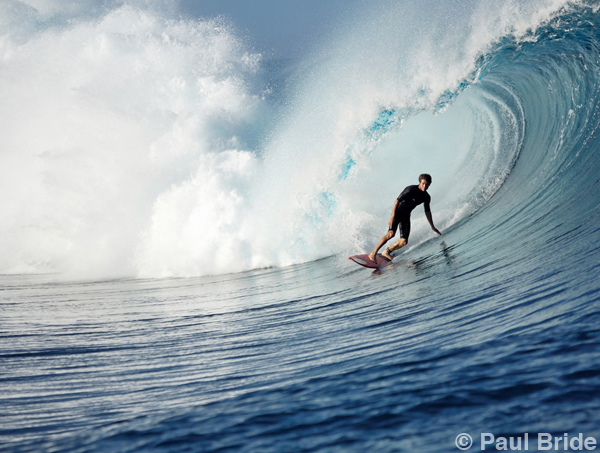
(409, 199)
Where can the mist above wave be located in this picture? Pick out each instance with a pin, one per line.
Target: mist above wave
(99, 118)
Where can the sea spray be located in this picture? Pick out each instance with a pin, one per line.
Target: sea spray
(99, 118)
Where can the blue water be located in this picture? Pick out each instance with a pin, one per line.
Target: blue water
(491, 328)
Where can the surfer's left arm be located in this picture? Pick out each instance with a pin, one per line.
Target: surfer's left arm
(430, 219)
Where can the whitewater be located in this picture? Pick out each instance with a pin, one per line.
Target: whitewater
(178, 207)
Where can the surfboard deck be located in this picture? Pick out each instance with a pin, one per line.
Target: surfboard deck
(365, 261)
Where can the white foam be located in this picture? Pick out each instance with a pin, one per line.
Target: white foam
(101, 117)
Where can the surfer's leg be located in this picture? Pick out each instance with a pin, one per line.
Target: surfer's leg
(386, 237)
(404, 225)
(401, 243)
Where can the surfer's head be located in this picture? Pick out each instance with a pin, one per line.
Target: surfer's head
(424, 181)
(425, 177)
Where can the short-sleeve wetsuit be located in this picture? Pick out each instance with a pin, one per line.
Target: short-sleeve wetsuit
(409, 199)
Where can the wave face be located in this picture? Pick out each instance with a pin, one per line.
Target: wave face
(135, 144)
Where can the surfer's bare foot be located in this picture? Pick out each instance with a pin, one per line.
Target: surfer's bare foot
(372, 257)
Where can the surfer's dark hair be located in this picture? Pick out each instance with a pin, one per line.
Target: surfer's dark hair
(426, 177)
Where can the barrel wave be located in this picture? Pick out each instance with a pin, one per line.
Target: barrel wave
(222, 195)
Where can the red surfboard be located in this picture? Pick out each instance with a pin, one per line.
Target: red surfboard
(365, 261)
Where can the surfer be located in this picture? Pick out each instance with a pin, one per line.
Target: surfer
(409, 199)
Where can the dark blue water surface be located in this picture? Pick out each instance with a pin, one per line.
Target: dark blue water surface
(492, 328)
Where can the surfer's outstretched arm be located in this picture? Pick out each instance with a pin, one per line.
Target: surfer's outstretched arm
(430, 220)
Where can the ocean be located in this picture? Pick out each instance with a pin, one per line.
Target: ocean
(178, 206)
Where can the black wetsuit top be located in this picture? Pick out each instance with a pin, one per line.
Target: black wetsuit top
(410, 198)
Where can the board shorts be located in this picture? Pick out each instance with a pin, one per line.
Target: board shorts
(402, 221)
